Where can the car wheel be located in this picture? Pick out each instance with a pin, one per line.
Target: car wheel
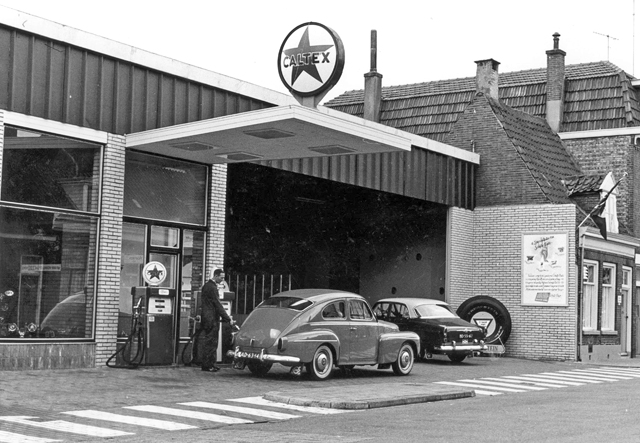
(457, 358)
(490, 313)
(322, 364)
(404, 363)
(259, 369)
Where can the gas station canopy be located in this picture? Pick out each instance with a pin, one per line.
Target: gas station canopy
(277, 133)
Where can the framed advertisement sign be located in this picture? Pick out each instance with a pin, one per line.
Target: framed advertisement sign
(545, 262)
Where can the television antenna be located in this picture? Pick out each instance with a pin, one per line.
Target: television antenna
(609, 38)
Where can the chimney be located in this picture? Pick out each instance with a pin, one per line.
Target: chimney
(373, 85)
(487, 77)
(555, 84)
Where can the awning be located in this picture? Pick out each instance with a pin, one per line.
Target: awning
(277, 133)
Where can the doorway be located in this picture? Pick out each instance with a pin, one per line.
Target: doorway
(625, 311)
(181, 251)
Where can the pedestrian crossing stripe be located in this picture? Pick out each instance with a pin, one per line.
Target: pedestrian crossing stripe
(66, 426)
(597, 376)
(477, 391)
(572, 377)
(502, 383)
(241, 410)
(259, 401)
(191, 414)
(11, 437)
(540, 381)
(131, 420)
(611, 372)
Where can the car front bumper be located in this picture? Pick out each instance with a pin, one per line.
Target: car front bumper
(239, 355)
(461, 348)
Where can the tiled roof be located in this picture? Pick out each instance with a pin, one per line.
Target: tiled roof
(540, 149)
(584, 183)
(598, 95)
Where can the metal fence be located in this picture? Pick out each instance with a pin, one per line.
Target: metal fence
(253, 289)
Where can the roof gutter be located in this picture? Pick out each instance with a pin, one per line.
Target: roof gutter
(635, 130)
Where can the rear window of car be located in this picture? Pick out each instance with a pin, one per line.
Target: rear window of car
(434, 311)
(295, 303)
(334, 310)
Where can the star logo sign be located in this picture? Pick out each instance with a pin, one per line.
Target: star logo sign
(155, 273)
(306, 57)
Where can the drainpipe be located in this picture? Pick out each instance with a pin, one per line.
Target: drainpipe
(373, 85)
(580, 233)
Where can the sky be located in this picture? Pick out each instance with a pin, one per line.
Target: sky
(418, 40)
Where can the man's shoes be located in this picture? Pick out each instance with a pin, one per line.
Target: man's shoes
(211, 369)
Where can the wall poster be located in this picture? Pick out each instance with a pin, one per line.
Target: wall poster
(545, 274)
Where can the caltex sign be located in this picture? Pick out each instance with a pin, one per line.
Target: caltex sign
(311, 60)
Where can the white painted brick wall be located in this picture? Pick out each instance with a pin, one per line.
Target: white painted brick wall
(216, 217)
(488, 262)
(109, 250)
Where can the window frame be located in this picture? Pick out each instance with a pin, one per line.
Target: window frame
(99, 180)
(608, 303)
(593, 305)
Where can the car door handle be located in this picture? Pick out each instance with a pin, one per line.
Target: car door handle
(353, 328)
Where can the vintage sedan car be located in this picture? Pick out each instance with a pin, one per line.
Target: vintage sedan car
(320, 329)
(441, 331)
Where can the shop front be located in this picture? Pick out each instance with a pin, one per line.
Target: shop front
(112, 161)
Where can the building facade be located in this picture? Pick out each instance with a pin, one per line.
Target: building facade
(112, 158)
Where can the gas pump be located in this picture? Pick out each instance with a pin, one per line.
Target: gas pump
(150, 340)
(224, 339)
(158, 306)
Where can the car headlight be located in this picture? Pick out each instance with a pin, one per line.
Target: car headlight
(274, 333)
(282, 343)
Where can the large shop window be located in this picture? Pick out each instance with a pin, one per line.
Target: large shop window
(47, 274)
(164, 189)
(48, 244)
(590, 297)
(44, 170)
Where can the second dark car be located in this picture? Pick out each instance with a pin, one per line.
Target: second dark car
(440, 329)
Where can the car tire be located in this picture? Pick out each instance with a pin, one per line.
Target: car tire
(457, 358)
(321, 366)
(259, 369)
(483, 307)
(404, 362)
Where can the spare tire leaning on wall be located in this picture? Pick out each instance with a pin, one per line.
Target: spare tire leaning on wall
(490, 313)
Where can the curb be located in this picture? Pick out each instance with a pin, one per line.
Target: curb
(348, 398)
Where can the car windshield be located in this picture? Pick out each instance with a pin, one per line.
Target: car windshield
(434, 311)
(295, 303)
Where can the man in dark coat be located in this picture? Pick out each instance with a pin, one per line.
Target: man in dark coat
(212, 313)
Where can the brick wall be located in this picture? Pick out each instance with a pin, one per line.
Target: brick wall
(502, 177)
(494, 269)
(109, 254)
(459, 286)
(216, 217)
(618, 155)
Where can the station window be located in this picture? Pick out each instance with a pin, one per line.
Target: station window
(158, 188)
(46, 170)
(48, 235)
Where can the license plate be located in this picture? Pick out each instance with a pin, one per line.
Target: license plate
(495, 349)
(249, 355)
(465, 341)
